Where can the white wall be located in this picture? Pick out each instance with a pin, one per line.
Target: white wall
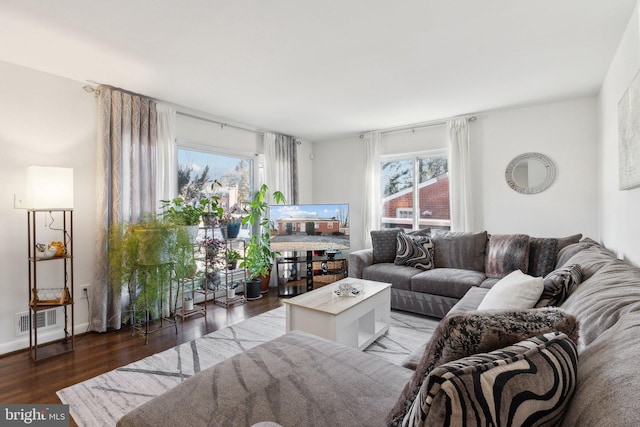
(619, 226)
(46, 121)
(564, 131)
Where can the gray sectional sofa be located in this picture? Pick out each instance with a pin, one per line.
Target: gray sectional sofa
(299, 379)
(462, 261)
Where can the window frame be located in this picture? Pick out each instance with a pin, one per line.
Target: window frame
(256, 161)
(415, 158)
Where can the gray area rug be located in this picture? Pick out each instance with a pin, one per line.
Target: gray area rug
(103, 400)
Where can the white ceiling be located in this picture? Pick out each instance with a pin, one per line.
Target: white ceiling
(322, 69)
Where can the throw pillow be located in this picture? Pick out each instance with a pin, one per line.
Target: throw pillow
(384, 244)
(463, 334)
(414, 251)
(529, 383)
(569, 240)
(515, 291)
(506, 253)
(542, 256)
(459, 250)
(559, 284)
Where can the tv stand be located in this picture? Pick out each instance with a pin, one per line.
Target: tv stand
(298, 274)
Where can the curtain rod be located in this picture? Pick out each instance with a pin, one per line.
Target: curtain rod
(222, 124)
(420, 125)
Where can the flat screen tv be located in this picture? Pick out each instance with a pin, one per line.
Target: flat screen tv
(318, 227)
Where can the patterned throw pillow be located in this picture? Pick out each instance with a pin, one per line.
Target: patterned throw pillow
(463, 334)
(529, 383)
(506, 253)
(384, 244)
(414, 251)
(542, 256)
(559, 284)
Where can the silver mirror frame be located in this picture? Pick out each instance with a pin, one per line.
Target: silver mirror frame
(548, 180)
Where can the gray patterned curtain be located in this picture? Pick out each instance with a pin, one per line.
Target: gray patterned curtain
(126, 186)
(281, 165)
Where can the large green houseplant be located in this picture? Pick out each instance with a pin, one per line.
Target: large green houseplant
(259, 257)
(142, 260)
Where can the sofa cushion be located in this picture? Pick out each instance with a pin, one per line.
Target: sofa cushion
(414, 251)
(463, 334)
(398, 275)
(542, 256)
(559, 284)
(608, 383)
(447, 282)
(568, 240)
(528, 383)
(603, 299)
(384, 243)
(465, 251)
(570, 250)
(506, 253)
(591, 260)
(515, 291)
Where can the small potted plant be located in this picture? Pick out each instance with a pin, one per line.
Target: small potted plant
(179, 213)
(233, 257)
(212, 211)
(188, 303)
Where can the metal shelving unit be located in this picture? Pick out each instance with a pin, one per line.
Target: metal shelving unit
(44, 298)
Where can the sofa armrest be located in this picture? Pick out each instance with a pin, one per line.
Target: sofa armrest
(358, 260)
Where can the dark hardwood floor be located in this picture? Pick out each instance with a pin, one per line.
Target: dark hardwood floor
(26, 381)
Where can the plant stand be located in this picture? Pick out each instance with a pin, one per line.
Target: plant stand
(143, 328)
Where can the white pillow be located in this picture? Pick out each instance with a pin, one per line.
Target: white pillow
(515, 291)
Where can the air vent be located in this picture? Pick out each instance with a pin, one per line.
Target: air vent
(45, 319)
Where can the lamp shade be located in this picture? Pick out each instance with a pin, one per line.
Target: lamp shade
(49, 187)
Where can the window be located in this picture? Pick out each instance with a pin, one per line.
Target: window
(197, 170)
(402, 205)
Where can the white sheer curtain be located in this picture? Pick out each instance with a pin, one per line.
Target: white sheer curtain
(126, 186)
(167, 161)
(281, 165)
(460, 175)
(371, 202)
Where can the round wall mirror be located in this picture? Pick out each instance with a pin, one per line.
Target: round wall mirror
(530, 173)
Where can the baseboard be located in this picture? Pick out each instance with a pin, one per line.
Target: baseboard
(43, 337)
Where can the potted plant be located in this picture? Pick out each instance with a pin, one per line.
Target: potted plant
(181, 214)
(141, 257)
(212, 211)
(233, 257)
(259, 257)
(188, 303)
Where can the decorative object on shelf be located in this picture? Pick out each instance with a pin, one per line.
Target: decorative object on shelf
(259, 257)
(45, 252)
(60, 249)
(348, 289)
(530, 173)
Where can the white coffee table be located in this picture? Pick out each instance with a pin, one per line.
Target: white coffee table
(355, 321)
